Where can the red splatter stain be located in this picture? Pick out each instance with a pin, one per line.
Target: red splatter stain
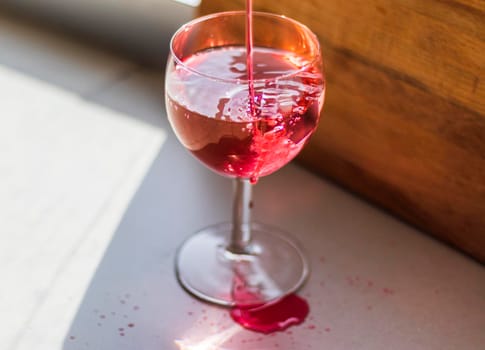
(311, 326)
(131, 325)
(122, 334)
(327, 329)
(388, 291)
(273, 316)
(370, 283)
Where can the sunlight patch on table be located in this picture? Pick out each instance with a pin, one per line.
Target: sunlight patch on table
(68, 170)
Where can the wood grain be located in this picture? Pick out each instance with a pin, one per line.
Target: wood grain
(404, 119)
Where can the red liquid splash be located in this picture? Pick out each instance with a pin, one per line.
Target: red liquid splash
(290, 310)
(269, 317)
(273, 316)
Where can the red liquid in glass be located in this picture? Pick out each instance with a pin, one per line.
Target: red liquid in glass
(232, 134)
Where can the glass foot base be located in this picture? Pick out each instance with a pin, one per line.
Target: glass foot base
(272, 267)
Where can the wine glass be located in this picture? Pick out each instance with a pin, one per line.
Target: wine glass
(243, 123)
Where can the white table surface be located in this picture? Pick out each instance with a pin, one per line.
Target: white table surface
(96, 194)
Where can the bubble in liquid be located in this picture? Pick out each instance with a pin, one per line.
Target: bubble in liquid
(238, 67)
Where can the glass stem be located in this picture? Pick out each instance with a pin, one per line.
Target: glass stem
(241, 217)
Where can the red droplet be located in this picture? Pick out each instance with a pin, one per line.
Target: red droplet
(327, 329)
(311, 326)
(131, 325)
(387, 291)
(122, 334)
(273, 316)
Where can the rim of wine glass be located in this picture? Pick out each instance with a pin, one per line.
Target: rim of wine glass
(238, 13)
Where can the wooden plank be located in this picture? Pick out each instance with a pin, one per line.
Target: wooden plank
(404, 119)
(431, 173)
